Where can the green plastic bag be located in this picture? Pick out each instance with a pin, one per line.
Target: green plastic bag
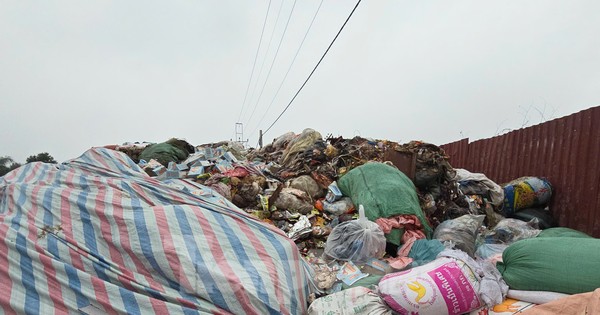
(384, 192)
(557, 264)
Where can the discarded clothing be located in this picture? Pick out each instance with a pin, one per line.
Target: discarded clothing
(410, 223)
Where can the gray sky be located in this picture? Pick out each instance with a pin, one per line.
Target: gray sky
(77, 74)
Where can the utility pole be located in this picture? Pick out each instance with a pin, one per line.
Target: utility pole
(260, 139)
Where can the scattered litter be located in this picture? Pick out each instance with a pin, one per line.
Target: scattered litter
(350, 273)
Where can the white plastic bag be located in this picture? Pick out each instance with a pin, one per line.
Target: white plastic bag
(356, 240)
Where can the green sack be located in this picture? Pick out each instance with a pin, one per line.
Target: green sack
(557, 264)
(562, 232)
(163, 153)
(384, 192)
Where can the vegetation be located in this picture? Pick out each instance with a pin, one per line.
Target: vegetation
(7, 164)
(41, 157)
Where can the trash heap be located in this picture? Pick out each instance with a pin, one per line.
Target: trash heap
(388, 226)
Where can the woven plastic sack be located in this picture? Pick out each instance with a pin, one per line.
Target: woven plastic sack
(358, 300)
(443, 286)
(558, 264)
(356, 240)
(526, 192)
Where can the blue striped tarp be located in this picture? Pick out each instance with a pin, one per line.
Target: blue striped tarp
(97, 234)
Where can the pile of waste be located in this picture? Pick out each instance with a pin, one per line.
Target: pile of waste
(416, 213)
(380, 227)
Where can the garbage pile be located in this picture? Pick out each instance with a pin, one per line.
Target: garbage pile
(391, 227)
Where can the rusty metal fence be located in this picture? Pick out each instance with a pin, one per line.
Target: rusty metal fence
(566, 151)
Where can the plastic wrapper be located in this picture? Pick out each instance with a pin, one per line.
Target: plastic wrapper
(461, 232)
(356, 240)
(300, 228)
(509, 231)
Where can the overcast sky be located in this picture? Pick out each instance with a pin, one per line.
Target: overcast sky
(77, 74)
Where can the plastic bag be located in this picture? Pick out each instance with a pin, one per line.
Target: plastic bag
(509, 231)
(339, 207)
(298, 144)
(461, 232)
(356, 240)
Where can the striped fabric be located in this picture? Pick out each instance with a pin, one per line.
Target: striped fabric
(97, 235)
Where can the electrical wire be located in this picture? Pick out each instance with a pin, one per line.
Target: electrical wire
(255, 58)
(273, 62)
(262, 66)
(289, 68)
(313, 70)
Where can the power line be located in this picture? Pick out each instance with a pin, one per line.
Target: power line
(273, 62)
(313, 70)
(255, 58)
(262, 66)
(289, 68)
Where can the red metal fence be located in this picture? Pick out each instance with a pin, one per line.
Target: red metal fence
(566, 151)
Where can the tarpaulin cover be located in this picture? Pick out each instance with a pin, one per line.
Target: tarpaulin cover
(96, 233)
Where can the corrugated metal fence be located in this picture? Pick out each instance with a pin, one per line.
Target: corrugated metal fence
(565, 150)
